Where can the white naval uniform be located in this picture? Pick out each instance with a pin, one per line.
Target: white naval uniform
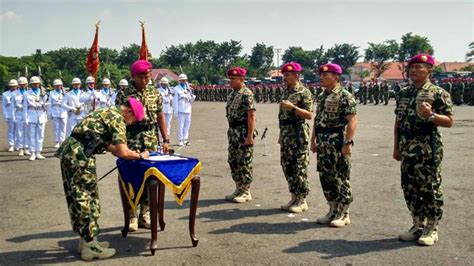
(167, 95)
(183, 99)
(35, 104)
(18, 109)
(80, 99)
(7, 102)
(103, 98)
(58, 114)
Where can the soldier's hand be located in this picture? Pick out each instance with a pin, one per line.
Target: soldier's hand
(424, 110)
(248, 141)
(166, 148)
(146, 154)
(396, 154)
(313, 147)
(287, 105)
(346, 149)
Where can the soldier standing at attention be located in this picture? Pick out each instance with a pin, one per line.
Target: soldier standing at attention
(7, 110)
(240, 112)
(421, 108)
(57, 113)
(295, 108)
(332, 139)
(144, 135)
(103, 129)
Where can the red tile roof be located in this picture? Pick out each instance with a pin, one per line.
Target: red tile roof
(158, 73)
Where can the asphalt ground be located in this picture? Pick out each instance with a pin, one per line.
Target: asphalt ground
(35, 227)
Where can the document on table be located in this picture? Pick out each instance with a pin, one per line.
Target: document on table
(161, 158)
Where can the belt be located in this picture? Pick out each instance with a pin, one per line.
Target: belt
(20, 109)
(329, 130)
(291, 122)
(57, 105)
(237, 123)
(34, 108)
(141, 127)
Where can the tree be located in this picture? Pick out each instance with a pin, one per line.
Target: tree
(379, 53)
(226, 52)
(470, 53)
(128, 55)
(410, 46)
(261, 59)
(297, 54)
(345, 55)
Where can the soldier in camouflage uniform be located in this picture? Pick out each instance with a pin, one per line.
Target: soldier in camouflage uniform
(296, 107)
(376, 93)
(420, 109)
(240, 112)
(103, 129)
(332, 139)
(144, 135)
(384, 90)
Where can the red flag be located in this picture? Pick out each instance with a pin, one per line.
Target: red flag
(144, 49)
(93, 63)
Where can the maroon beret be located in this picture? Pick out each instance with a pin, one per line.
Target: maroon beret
(237, 71)
(140, 67)
(291, 67)
(333, 68)
(422, 58)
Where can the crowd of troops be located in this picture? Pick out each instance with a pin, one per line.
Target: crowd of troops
(132, 121)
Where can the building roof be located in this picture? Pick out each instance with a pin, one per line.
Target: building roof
(454, 66)
(158, 73)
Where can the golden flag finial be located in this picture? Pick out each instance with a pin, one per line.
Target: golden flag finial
(97, 24)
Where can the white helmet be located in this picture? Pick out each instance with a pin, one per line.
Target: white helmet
(22, 80)
(106, 81)
(164, 80)
(35, 80)
(183, 77)
(123, 82)
(12, 83)
(57, 82)
(90, 79)
(76, 81)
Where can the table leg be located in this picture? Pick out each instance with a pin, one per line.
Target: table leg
(161, 204)
(152, 185)
(195, 186)
(126, 210)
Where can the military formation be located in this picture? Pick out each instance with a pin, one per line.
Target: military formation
(135, 119)
(421, 108)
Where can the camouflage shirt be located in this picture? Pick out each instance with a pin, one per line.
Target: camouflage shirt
(239, 103)
(290, 134)
(107, 123)
(334, 107)
(409, 98)
(152, 104)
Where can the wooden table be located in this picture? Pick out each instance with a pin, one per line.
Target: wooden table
(156, 193)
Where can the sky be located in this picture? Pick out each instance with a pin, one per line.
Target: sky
(27, 25)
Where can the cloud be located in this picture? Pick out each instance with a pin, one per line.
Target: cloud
(9, 16)
(105, 15)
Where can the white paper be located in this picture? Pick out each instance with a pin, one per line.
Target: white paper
(160, 158)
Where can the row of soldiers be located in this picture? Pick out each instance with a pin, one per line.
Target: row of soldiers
(461, 90)
(27, 107)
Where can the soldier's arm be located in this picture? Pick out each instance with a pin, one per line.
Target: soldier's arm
(351, 126)
(122, 151)
(251, 124)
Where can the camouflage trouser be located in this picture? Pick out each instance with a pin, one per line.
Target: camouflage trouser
(240, 162)
(334, 173)
(421, 184)
(294, 162)
(240, 157)
(80, 187)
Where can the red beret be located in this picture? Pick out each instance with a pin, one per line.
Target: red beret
(333, 68)
(140, 67)
(422, 58)
(237, 71)
(291, 67)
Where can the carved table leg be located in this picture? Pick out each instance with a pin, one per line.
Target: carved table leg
(195, 186)
(161, 204)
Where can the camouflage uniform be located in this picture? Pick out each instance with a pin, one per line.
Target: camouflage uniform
(333, 167)
(78, 167)
(294, 139)
(421, 150)
(143, 135)
(240, 156)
